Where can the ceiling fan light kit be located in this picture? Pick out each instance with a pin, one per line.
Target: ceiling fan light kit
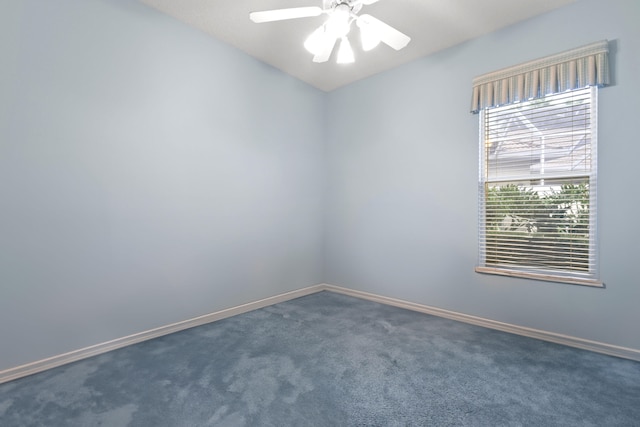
(342, 13)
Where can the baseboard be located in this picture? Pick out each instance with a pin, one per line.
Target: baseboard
(73, 356)
(595, 346)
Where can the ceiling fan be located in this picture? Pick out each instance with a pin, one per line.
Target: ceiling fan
(342, 13)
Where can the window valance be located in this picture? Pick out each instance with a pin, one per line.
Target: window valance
(577, 68)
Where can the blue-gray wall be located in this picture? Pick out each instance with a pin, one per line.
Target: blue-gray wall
(148, 174)
(402, 167)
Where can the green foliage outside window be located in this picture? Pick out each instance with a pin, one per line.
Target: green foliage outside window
(546, 229)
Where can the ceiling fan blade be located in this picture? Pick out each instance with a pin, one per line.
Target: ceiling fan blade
(325, 51)
(386, 33)
(282, 14)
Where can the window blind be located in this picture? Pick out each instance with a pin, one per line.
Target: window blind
(538, 188)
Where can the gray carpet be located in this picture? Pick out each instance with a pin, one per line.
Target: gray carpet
(332, 360)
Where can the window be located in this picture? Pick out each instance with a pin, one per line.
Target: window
(538, 186)
(538, 166)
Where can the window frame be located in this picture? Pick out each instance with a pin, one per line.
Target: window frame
(591, 278)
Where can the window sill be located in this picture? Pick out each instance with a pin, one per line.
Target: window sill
(539, 276)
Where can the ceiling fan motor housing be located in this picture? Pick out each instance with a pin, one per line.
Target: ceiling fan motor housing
(353, 5)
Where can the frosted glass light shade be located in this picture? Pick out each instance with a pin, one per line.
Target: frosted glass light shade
(315, 41)
(345, 54)
(369, 38)
(339, 22)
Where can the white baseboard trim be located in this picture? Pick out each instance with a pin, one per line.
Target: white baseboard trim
(595, 346)
(94, 350)
(73, 356)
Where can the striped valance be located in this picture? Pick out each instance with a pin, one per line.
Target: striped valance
(573, 69)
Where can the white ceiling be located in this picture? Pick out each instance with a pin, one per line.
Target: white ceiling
(433, 25)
